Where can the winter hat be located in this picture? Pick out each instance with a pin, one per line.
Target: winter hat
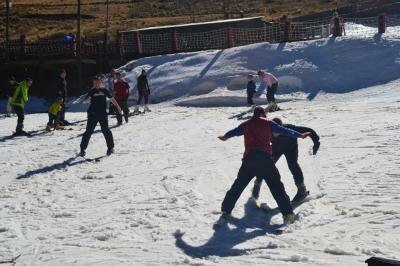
(259, 112)
(277, 120)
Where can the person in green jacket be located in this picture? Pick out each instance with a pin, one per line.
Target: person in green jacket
(18, 101)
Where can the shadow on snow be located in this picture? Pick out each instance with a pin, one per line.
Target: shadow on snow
(222, 243)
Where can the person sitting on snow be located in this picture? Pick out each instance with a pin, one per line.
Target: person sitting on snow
(272, 85)
(54, 114)
(283, 145)
(250, 89)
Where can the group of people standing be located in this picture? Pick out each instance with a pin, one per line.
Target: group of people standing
(265, 142)
(271, 83)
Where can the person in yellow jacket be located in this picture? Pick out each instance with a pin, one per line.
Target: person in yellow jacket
(18, 101)
(54, 114)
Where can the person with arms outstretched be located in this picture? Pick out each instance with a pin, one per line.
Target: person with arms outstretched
(97, 113)
(257, 162)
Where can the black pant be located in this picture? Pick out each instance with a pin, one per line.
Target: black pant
(145, 95)
(124, 107)
(53, 119)
(292, 156)
(261, 165)
(271, 92)
(20, 122)
(92, 121)
(250, 98)
(62, 113)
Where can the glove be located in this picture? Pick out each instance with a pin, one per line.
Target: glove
(305, 135)
(222, 138)
(315, 147)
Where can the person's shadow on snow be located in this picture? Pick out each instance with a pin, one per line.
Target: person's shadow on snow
(222, 243)
(57, 166)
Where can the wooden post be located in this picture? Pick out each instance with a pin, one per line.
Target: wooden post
(382, 21)
(231, 37)
(288, 30)
(22, 41)
(78, 47)
(138, 48)
(175, 42)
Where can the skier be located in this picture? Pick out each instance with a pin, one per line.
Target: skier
(62, 91)
(272, 85)
(250, 89)
(9, 93)
(257, 161)
(18, 101)
(121, 94)
(97, 113)
(283, 145)
(144, 91)
(54, 114)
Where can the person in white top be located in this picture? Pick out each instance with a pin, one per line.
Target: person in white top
(272, 85)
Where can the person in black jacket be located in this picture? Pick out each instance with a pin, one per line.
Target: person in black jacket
(282, 145)
(62, 91)
(97, 113)
(144, 91)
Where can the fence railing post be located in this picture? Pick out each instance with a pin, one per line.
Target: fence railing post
(288, 30)
(231, 37)
(22, 42)
(138, 48)
(382, 23)
(175, 42)
(73, 45)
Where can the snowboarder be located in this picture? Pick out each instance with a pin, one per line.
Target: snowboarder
(18, 101)
(54, 114)
(121, 94)
(283, 145)
(272, 85)
(144, 91)
(62, 91)
(12, 84)
(97, 113)
(257, 161)
(250, 89)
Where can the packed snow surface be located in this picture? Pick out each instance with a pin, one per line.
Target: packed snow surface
(154, 201)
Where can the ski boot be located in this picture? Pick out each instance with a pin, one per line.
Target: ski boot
(110, 151)
(136, 111)
(301, 194)
(146, 109)
(48, 128)
(82, 153)
(288, 218)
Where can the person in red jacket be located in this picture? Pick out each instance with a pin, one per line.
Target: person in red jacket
(257, 161)
(121, 94)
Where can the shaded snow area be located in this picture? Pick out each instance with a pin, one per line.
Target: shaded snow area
(154, 201)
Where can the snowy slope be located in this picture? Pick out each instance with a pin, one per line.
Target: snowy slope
(155, 200)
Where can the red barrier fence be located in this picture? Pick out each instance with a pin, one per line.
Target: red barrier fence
(136, 44)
